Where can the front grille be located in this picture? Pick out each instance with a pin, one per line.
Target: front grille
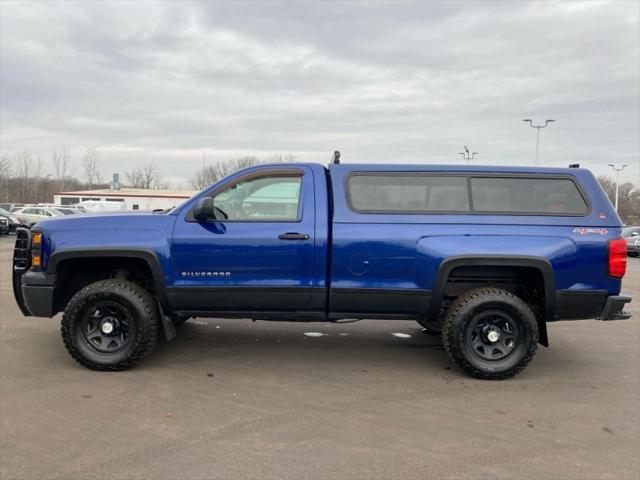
(3, 221)
(22, 250)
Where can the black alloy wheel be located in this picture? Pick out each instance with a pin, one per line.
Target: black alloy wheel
(110, 325)
(490, 333)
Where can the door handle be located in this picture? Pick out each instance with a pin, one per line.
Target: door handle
(293, 236)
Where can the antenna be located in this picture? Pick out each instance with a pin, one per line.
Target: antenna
(336, 157)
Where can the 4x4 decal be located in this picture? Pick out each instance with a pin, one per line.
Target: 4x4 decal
(586, 231)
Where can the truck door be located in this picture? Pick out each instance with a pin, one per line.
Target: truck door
(257, 254)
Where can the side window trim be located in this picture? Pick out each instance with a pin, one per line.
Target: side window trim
(283, 172)
(471, 211)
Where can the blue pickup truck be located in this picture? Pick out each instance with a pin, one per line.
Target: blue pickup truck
(483, 256)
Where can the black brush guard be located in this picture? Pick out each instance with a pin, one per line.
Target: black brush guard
(21, 263)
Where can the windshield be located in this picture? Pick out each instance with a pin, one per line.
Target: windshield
(627, 232)
(64, 211)
(4, 212)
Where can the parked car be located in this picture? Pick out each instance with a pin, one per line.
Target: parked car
(487, 256)
(100, 206)
(37, 213)
(66, 211)
(13, 220)
(4, 225)
(10, 207)
(632, 236)
(77, 208)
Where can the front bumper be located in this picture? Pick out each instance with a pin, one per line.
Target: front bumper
(614, 308)
(38, 300)
(34, 293)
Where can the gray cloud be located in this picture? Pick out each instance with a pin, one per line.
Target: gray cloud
(400, 82)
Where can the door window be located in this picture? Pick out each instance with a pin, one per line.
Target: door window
(268, 198)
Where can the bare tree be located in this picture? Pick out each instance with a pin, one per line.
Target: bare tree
(5, 167)
(145, 176)
(5, 173)
(24, 169)
(61, 166)
(210, 174)
(628, 199)
(91, 167)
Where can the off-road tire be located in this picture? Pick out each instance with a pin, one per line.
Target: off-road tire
(137, 301)
(458, 321)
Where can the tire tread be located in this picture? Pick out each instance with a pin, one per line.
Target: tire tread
(144, 343)
(453, 349)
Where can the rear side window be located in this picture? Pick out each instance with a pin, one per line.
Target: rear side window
(409, 193)
(435, 193)
(556, 196)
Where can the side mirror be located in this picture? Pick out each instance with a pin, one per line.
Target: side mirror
(204, 210)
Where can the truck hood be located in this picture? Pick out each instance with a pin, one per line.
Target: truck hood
(121, 230)
(84, 220)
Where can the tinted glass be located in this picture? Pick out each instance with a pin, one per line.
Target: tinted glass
(268, 198)
(64, 211)
(415, 193)
(557, 196)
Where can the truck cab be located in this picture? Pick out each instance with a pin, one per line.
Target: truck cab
(483, 256)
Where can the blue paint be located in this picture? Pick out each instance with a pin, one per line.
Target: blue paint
(348, 250)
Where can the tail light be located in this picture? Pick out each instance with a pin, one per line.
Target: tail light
(617, 257)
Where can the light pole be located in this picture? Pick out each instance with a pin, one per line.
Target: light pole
(618, 170)
(537, 127)
(468, 156)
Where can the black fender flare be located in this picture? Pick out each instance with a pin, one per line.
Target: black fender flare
(539, 263)
(146, 255)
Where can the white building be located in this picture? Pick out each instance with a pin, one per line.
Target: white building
(133, 198)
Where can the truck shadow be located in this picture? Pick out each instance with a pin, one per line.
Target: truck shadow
(394, 343)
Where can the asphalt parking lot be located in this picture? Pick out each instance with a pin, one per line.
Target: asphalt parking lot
(237, 399)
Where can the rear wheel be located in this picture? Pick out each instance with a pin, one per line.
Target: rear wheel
(110, 325)
(490, 333)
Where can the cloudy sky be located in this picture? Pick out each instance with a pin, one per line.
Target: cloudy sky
(404, 82)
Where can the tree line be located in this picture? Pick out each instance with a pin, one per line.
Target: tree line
(25, 178)
(628, 199)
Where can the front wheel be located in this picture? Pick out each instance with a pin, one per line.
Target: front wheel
(490, 333)
(110, 325)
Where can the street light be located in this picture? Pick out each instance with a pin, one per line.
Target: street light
(468, 156)
(618, 170)
(537, 127)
